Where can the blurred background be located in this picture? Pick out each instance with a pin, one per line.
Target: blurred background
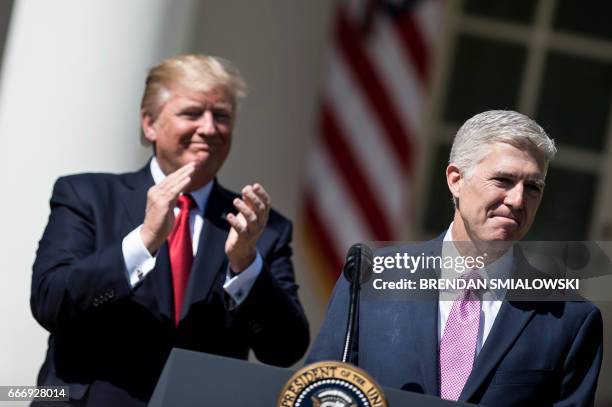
(351, 111)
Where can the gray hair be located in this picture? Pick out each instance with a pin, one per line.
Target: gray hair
(472, 141)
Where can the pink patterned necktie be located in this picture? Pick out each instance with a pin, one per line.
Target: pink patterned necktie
(458, 343)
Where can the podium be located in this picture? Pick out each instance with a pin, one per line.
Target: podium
(200, 379)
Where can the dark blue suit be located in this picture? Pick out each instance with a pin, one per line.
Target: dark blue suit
(109, 342)
(537, 353)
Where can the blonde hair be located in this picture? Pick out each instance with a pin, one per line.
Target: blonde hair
(196, 72)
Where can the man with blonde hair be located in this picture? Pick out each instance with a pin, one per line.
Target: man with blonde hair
(132, 265)
(479, 346)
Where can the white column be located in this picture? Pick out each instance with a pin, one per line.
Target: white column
(70, 89)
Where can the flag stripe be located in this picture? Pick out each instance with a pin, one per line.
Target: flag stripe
(365, 137)
(359, 176)
(427, 16)
(369, 80)
(354, 178)
(323, 241)
(341, 215)
(413, 43)
(402, 79)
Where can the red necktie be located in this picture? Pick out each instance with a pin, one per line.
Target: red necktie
(181, 252)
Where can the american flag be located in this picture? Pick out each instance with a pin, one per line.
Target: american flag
(359, 174)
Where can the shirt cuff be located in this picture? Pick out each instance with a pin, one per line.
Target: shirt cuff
(239, 286)
(137, 259)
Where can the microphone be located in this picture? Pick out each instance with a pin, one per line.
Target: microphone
(357, 270)
(358, 263)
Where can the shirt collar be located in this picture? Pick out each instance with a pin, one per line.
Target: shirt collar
(200, 195)
(501, 268)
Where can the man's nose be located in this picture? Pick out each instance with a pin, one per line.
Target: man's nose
(515, 196)
(207, 123)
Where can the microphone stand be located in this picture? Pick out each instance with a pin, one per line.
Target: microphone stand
(357, 270)
(352, 328)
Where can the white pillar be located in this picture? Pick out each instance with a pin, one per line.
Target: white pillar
(70, 89)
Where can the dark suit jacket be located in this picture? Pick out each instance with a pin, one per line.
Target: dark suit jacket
(537, 353)
(109, 342)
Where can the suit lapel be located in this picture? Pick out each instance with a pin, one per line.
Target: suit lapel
(210, 262)
(156, 290)
(425, 326)
(508, 325)
(163, 283)
(135, 199)
(424, 321)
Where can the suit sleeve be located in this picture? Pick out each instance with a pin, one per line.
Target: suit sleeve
(272, 314)
(582, 363)
(71, 274)
(329, 343)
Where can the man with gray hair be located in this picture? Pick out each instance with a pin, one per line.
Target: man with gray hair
(498, 163)
(132, 265)
(484, 348)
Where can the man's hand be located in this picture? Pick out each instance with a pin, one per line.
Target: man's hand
(246, 226)
(159, 213)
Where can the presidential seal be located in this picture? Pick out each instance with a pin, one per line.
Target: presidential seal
(331, 384)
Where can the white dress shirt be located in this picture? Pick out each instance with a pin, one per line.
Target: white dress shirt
(139, 262)
(491, 301)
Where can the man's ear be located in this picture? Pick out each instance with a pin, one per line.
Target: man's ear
(454, 179)
(146, 121)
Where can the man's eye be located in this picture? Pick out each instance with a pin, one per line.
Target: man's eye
(535, 189)
(502, 180)
(222, 117)
(191, 114)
